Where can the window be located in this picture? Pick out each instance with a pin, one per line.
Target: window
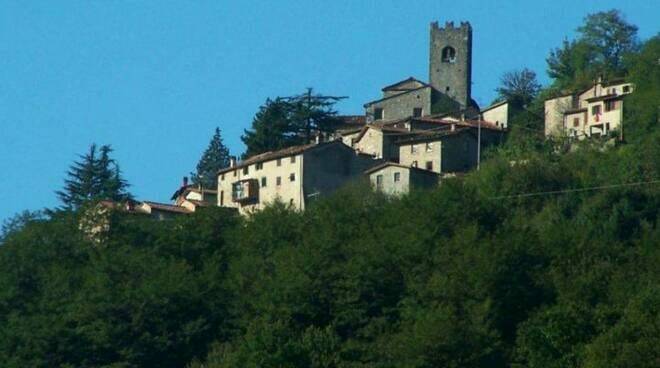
(378, 113)
(379, 181)
(610, 105)
(292, 177)
(414, 164)
(447, 89)
(246, 170)
(279, 162)
(448, 55)
(626, 89)
(222, 198)
(413, 148)
(222, 177)
(278, 181)
(259, 166)
(293, 159)
(595, 110)
(417, 112)
(397, 176)
(235, 173)
(429, 165)
(576, 122)
(263, 181)
(429, 147)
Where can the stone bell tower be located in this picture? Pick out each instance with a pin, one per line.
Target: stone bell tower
(450, 67)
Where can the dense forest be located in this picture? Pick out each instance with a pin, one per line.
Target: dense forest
(546, 257)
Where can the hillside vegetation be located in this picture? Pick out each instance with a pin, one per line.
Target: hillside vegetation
(471, 274)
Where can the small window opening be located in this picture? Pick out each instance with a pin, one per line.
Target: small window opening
(448, 55)
(378, 113)
(417, 112)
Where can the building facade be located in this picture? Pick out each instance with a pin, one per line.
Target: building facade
(295, 176)
(594, 112)
(450, 80)
(396, 179)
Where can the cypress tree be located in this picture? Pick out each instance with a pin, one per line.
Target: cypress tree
(214, 158)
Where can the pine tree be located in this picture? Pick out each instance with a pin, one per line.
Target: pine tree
(290, 121)
(215, 157)
(272, 129)
(94, 176)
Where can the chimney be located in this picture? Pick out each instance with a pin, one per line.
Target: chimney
(185, 181)
(232, 161)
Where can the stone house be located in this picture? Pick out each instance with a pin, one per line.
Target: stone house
(396, 179)
(295, 176)
(593, 112)
(450, 149)
(450, 80)
(385, 140)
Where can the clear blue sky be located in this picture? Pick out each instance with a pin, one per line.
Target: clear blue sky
(153, 78)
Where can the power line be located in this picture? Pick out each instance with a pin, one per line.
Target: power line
(563, 191)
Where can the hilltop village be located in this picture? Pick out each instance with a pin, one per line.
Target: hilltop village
(414, 136)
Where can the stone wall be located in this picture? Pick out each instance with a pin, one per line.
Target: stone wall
(453, 77)
(402, 105)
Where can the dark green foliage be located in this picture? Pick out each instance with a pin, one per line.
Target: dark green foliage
(152, 296)
(491, 270)
(95, 176)
(215, 157)
(290, 121)
(604, 40)
(518, 87)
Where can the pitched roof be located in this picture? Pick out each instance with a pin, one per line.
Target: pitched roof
(496, 104)
(272, 155)
(384, 127)
(191, 188)
(394, 86)
(431, 135)
(166, 207)
(397, 95)
(352, 119)
(390, 163)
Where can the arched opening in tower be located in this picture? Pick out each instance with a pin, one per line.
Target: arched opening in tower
(448, 55)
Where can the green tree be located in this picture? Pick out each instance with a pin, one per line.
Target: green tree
(604, 40)
(94, 176)
(519, 87)
(214, 158)
(290, 121)
(611, 38)
(272, 129)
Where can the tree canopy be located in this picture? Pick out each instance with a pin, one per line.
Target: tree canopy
(604, 40)
(94, 176)
(519, 87)
(290, 121)
(214, 158)
(542, 258)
